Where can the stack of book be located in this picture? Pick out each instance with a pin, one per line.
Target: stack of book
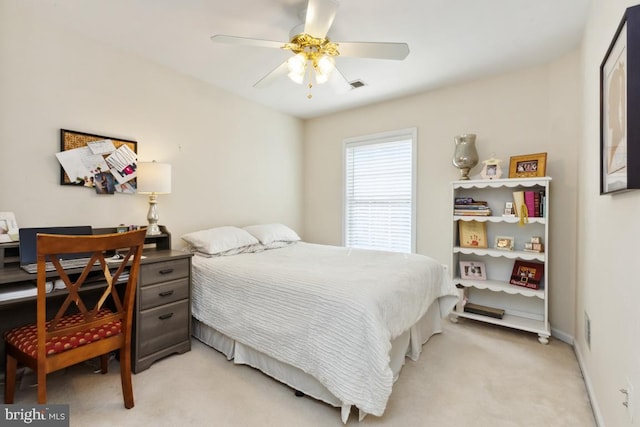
(468, 206)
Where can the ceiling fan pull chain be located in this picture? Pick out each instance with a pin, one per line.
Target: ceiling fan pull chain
(309, 95)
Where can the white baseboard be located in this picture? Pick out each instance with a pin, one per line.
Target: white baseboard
(562, 336)
(587, 381)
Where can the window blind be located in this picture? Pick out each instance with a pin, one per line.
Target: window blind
(379, 195)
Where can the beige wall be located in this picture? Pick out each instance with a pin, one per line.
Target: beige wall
(608, 247)
(234, 162)
(237, 163)
(530, 111)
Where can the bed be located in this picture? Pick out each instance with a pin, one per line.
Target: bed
(331, 322)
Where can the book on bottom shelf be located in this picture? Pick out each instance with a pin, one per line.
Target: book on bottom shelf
(484, 310)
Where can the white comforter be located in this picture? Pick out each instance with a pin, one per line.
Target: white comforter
(330, 311)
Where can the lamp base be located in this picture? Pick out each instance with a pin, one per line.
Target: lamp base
(153, 229)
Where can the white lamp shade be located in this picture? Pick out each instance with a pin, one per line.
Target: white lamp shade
(153, 177)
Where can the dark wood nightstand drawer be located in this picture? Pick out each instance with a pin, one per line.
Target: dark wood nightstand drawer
(164, 293)
(163, 326)
(163, 271)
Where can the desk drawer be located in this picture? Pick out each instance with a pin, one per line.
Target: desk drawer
(163, 293)
(163, 326)
(163, 271)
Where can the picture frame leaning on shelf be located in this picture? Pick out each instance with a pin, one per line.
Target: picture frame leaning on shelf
(472, 234)
(470, 270)
(8, 227)
(504, 243)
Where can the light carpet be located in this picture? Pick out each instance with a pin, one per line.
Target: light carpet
(473, 374)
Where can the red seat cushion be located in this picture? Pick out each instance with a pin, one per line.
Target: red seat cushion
(25, 338)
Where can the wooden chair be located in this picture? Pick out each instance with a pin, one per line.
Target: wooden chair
(77, 333)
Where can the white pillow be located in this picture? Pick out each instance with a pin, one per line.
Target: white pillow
(270, 233)
(220, 239)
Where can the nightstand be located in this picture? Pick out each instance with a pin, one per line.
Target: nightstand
(162, 320)
(162, 311)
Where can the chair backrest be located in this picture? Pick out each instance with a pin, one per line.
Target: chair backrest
(100, 248)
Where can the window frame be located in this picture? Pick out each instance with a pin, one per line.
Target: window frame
(378, 138)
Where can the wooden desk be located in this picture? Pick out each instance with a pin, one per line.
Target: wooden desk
(162, 316)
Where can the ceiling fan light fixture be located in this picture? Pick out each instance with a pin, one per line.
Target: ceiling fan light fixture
(296, 77)
(297, 64)
(322, 78)
(325, 65)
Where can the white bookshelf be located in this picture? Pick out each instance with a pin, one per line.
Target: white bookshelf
(524, 308)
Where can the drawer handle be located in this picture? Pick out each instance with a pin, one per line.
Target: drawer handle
(166, 271)
(165, 316)
(166, 293)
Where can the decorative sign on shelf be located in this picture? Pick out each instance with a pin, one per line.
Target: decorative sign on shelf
(527, 274)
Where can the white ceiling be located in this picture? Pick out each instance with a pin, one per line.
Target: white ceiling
(450, 41)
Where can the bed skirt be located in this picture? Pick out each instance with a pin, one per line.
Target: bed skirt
(409, 344)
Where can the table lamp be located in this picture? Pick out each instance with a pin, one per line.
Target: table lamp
(153, 179)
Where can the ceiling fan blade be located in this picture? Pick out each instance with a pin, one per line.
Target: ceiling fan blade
(398, 51)
(320, 16)
(338, 82)
(220, 38)
(280, 71)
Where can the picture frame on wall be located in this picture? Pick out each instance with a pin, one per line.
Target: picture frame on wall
(619, 101)
(78, 148)
(528, 166)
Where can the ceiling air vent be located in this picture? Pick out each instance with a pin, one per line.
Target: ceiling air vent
(356, 84)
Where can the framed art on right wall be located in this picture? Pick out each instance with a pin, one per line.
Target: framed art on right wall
(619, 102)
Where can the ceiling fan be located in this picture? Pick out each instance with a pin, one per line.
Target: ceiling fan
(314, 54)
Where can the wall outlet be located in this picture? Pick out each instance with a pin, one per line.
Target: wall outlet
(587, 330)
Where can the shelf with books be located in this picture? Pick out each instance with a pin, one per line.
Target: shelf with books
(501, 183)
(511, 321)
(507, 219)
(524, 307)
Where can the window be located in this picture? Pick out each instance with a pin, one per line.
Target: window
(379, 191)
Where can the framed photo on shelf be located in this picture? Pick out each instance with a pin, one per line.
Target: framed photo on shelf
(619, 102)
(504, 243)
(472, 234)
(473, 270)
(508, 209)
(8, 227)
(491, 169)
(527, 274)
(528, 166)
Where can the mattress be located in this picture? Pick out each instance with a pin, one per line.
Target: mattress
(332, 313)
